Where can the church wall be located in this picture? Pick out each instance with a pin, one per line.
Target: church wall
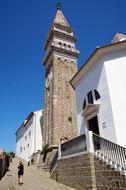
(115, 67)
(96, 79)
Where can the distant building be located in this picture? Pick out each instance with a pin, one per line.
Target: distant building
(100, 87)
(29, 135)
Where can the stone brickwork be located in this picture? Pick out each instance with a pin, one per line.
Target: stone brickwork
(61, 65)
(76, 172)
(107, 178)
(85, 172)
(60, 107)
(4, 164)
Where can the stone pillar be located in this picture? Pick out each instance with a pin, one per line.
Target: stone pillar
(89, 141)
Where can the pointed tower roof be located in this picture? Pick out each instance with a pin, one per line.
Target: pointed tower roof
(60, 27)
(60, 19)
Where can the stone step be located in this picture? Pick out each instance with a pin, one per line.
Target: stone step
(33, 179)
(43, 166)
(111, 165)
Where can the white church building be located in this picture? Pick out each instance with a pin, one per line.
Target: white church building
(29, 135)
(100, 87)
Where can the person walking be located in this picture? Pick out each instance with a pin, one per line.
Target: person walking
(20, 173)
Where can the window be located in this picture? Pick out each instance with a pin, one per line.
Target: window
(29, 134)
(84, 104)
(90, 97)
(28, 145)
(60, 43)
(21, 149)
(25, 137)
(97, 95)
(70, 119)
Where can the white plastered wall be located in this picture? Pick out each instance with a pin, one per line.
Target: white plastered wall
(29, 137)
(115, 66)
(95, 78)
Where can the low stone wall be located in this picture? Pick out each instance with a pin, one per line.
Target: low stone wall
(85, 172)
(35, 158)
(49, 156)
(76, 172)
(4, 165)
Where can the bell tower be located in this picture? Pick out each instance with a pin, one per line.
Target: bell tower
(60, 63)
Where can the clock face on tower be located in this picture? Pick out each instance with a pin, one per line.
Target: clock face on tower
(48, 79)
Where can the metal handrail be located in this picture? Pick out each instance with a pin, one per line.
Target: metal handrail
(111, 151)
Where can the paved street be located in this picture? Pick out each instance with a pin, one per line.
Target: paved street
(34, 179)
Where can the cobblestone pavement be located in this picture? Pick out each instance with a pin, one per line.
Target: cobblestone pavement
(34, 179)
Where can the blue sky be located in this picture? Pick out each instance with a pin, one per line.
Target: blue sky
(24, 25)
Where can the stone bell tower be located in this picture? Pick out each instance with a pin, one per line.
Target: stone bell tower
(60, 65)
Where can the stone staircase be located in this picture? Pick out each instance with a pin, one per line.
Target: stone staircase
(90, 162)
(34, 179)
(88, 172)
(107, 176)
(110, 153)
(44, 166)
(111, 164)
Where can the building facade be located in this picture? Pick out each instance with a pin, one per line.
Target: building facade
(100, 92)
(60, 66)
(29, 135)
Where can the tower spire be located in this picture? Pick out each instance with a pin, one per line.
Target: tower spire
(59, 6)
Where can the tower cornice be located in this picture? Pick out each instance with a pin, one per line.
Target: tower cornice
(59, 34)
(74, 53)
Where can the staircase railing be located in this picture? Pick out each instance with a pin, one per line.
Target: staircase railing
(53, 163)
(114, 153)
(74, 146)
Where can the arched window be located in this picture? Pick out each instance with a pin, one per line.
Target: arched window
(69, 46)
(29, 134)
(91, 96)
(64, 45)
(97, 95)
(21, 149)
(60, 43)
(84, 104)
